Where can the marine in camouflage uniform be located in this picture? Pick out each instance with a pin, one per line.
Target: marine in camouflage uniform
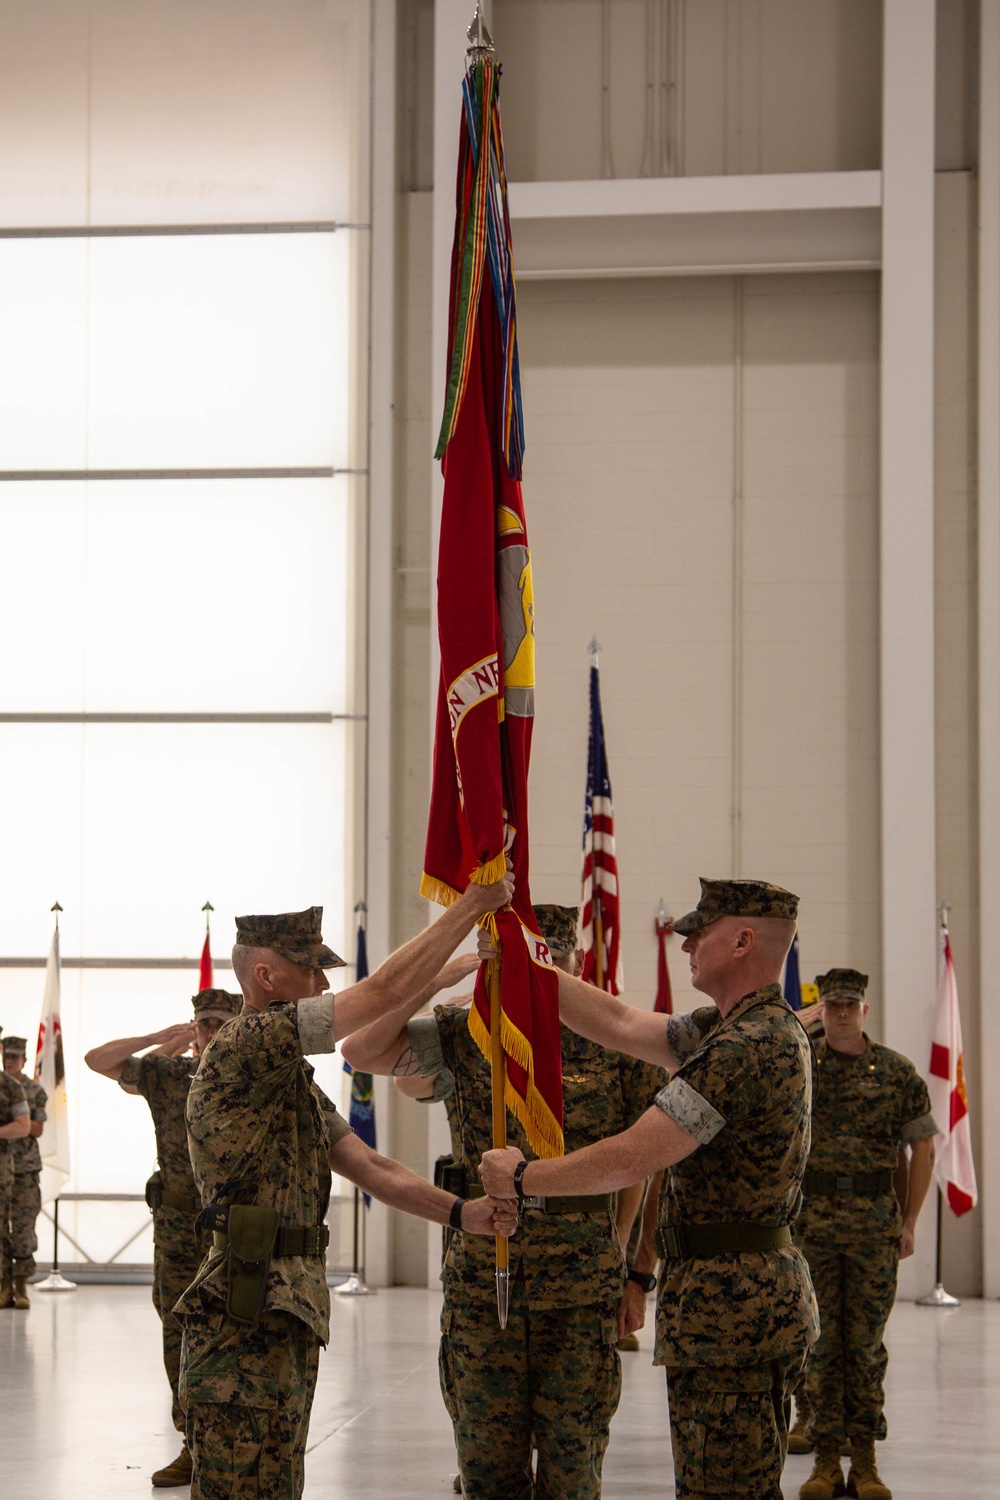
(736, 1312)
(868, 1103)
(18, 1240)
(552, 1378)
(163, 1078)
(14, 1114)
(263, 1137)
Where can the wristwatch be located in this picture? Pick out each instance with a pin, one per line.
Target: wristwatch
(645, 1279)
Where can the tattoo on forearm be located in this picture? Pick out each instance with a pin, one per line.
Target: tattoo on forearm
(406, 1065)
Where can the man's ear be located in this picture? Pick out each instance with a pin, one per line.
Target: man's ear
(262, 976)
(577, 963)
(745, 939)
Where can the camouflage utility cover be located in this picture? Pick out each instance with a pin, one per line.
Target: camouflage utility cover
(15, 1046)
(164, 1083)
(296, 934)
(743, 1090)
(260, 1131)
(27, 1156)
(842, 984)
(558, 926)
(216, 1005)
(864, 1109)
(737, 898)
(571, 1259)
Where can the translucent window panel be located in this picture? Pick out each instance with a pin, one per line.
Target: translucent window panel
(131, 597)
(201, 352)
(43, 354)
(238, 111)
(159, 817)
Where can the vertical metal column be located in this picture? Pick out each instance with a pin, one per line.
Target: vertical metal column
(909, 898)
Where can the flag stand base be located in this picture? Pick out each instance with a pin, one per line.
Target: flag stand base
(54, 1282)
(355, 1287)
(939, 1298)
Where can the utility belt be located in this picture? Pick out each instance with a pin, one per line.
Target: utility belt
(858, 1184)
(250, 1236)
(702, 1241)
(596, 1203)
(157, 1197)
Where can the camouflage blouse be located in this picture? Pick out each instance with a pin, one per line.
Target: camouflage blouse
(27, 1156)
(743, 1090)
(12, 1104)
(865, 1108)
(260, 1132)
(164, 1083)
(565, 1259)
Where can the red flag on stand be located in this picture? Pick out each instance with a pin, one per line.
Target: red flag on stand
(205, 968)
(664, 1002)
(479, 794)
(954, 1168)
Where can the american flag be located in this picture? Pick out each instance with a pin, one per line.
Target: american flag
(600, 921)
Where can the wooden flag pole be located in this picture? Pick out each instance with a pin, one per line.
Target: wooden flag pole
(598, 937)
(498, 1082)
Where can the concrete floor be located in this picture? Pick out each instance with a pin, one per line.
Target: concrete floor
(83, 1409)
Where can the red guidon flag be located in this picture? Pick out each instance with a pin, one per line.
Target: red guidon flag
(953, 1167)
(479, 796)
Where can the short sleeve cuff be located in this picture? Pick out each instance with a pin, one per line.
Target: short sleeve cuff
(920, 1129)
(38, 1115)
(128, 1078)
(17, 1110)
(685, 1034)
(336, 1125)
(444, 1087)
(690, 1111)
(315, 1018)
(425, 1039)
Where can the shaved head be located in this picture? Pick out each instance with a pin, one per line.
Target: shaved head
(267, 976)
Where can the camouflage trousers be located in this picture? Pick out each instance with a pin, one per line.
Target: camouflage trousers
(18, 1241)
(550, 1380)
(729, 1428)
(855, 1290)
(6, 1181)
(177, 1254)
(248, 1393)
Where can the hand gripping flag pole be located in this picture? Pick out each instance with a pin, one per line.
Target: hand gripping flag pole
(478, 817)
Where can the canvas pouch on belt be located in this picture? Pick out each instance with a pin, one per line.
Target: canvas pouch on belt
(252, 1231)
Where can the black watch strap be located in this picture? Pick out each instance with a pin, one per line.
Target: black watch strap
(645, 1279)
(455, 1217)
(518, 1174)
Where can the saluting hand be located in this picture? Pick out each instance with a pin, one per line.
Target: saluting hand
(496, 1172)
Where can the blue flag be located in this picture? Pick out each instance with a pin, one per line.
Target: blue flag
(362, 1113)
(793, 987)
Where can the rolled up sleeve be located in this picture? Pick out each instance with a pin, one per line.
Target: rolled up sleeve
(690, 1111)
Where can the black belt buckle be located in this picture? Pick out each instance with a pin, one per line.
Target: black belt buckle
(844, 1184)
(673, 1244)
(533, 1202)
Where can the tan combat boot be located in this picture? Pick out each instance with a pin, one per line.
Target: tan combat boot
(863, 1480)
(799, 1440)
(21, 1293)
(6, 1292)
(827, 1478)
(175, 1474)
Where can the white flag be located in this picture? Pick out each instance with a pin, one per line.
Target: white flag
(50, 1072)
(954, 1167)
